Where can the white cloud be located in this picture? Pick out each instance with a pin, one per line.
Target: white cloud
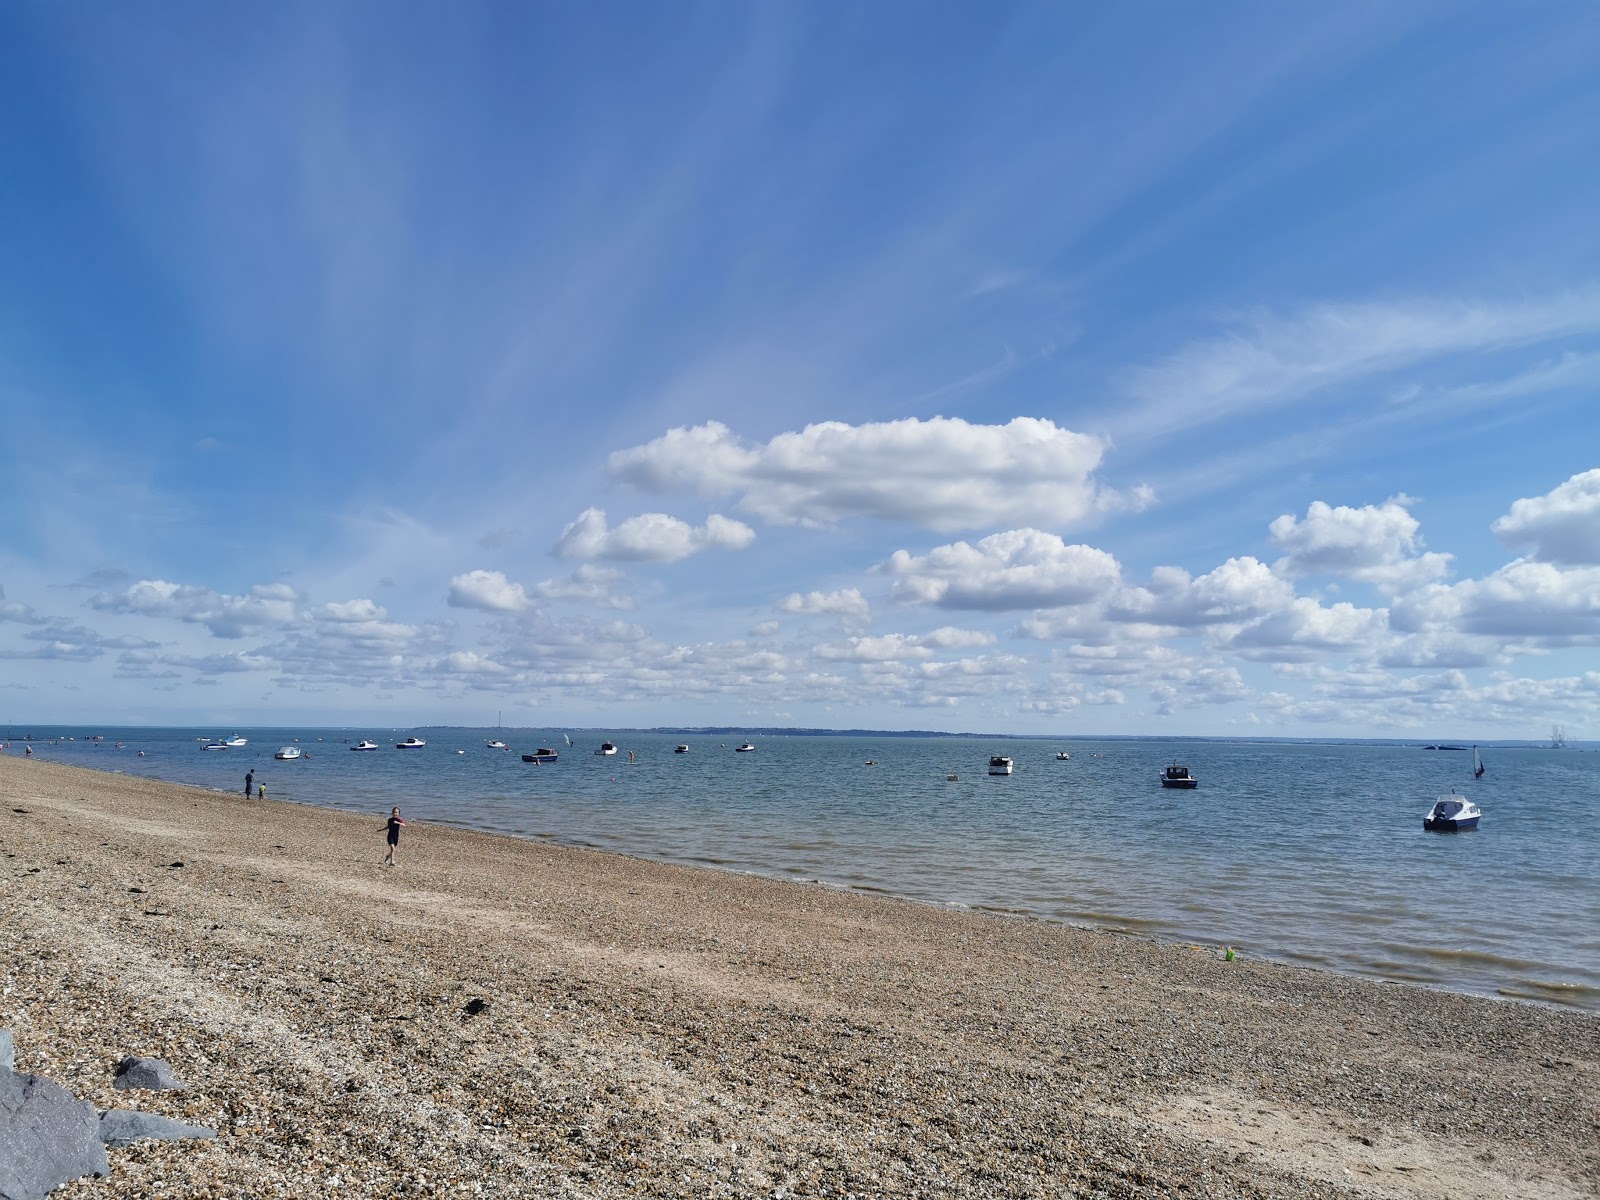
(1271, 361)
(20, 613)
(1529, 600)
(1018, 569)
(944, 473)
(1307, 630)
(1240, 590)
(227, 616)
(847, 603)
(650, 537)
(1562, 526)
(350, 611)
(590, 585)
(948, 637)
(1377, 544)
(490, 591)
(890, 647)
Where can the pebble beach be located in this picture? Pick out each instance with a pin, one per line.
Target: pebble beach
(501, 1017)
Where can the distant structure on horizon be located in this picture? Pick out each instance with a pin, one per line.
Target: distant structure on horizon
(1558, 737)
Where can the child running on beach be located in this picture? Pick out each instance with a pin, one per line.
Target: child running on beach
(393, 826)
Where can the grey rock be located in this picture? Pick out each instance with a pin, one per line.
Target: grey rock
(46, 1137)
(147, 1074)
(121, 1127)
(8, 1053)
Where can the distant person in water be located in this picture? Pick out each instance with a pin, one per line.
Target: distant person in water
(392, 827)
(249, 781)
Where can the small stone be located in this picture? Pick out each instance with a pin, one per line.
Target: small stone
(147, 1074)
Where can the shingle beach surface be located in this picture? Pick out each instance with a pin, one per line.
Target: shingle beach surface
(496, 1017)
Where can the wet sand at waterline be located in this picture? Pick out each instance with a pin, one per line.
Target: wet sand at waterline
(507, 1018)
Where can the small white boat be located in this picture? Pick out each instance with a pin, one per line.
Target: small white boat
(363, 744)
(744, 749)
(681, 750)
(1062, 756)
(999, 764)
(607, 749)
(1452, 814)
(215, 746)
(287, 754)
(1178, 777)
(235, 741)
(496, 745)
(411, 743)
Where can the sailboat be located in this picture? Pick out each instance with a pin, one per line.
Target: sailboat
(1477, 764)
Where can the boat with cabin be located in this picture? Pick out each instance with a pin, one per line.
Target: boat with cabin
(542, 755)
(1452, 813)
(999, 764)
(607, 749)
(235, 742)
(744, 749)
(363, 744)
(681, 750)
(287, 753)
(411, 743)
(1176, 776)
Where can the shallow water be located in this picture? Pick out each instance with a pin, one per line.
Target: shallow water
(1301, 853)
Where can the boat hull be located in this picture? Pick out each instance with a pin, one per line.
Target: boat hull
(540, 758)
(1450, 824)
(1179, 783)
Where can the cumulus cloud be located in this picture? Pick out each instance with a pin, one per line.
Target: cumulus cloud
(847, 603)
(650, 537)
(1018, 569)
(890, 647)
(1536, 601)
(350, 610)
(20, 613)
(589, 584)
(1562, 526)
(944, 473)
(1241, 589)
(489, 591)
(1306, 630)
(1377, 544)
(227, 616)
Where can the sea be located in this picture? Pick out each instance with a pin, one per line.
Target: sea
(1311, 854)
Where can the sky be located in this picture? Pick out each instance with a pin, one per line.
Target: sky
(1054, 368)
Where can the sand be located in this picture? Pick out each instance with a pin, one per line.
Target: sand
(499, 1017)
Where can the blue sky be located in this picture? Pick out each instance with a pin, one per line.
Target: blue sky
(1053, 368)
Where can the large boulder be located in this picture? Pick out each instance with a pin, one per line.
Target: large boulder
(46, 1137)
(121, 1127)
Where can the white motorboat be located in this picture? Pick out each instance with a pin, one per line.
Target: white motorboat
(215, 746)
(1452, 814)
(1178, 777)
(607, 749)
(411, 743)
(496, 745)
(744, 749)
(681, 750)
(999, 764)
(287, 754)
(363, 744)
(235, 741)
(1062, 756)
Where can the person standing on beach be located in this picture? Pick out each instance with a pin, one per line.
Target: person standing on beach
(393, 827)
(261, 792)
(249, 779)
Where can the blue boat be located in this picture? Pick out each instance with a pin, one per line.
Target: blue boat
(541, 755)
(1452, 814)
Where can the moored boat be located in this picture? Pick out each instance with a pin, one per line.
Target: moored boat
(1178, 777)
(744, 749)
(411, 743)
(363, 744)
(287, 754)
(607, 749)
(541, 755)
(1452, 814)
(235, 741)
(496, 744)
(999, 764)
(1062, 756)
(681, 750)
(215, 746)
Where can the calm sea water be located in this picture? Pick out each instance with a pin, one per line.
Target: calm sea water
(1301, 853)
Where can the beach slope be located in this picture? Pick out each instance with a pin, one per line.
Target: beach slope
(498, 1017)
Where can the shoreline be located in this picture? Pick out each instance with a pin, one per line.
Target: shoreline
(691, 1031)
